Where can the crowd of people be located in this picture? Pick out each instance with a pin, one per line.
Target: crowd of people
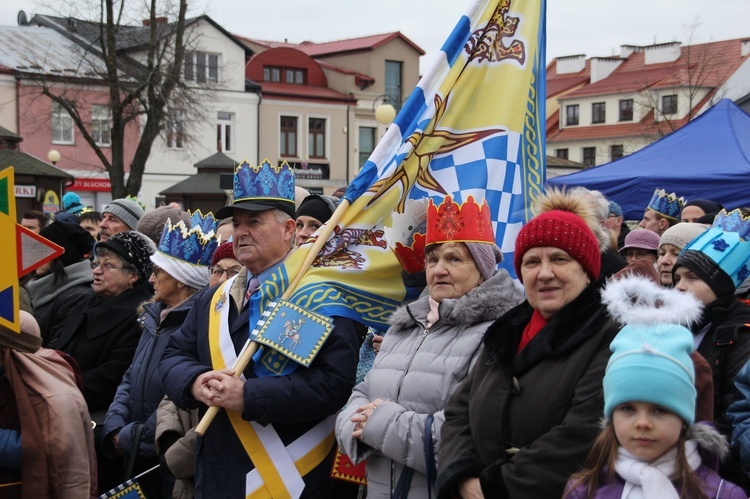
(616, 364)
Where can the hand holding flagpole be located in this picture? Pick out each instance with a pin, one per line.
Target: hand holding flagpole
(250, 347)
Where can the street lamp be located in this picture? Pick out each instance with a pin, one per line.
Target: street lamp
(53, 156)
(384, 109)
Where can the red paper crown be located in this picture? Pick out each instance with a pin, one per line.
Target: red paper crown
(411, 257)
(459, 223)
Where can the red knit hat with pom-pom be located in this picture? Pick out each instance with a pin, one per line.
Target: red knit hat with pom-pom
(563, 230)
(224, 250)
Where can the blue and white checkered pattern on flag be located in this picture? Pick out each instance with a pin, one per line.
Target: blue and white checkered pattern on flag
(474, 125)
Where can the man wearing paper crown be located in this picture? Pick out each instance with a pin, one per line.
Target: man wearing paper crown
(180, 270)
(273, 436)
(710, 267)
(662, 212)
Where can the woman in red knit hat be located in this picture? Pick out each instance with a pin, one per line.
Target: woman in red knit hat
(525, 418)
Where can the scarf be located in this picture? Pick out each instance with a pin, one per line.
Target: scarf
(643, 479)
(536, 323)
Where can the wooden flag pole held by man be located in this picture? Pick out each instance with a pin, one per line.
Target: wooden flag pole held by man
(251, 346)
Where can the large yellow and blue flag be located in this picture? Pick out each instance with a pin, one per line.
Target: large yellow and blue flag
(474, 126)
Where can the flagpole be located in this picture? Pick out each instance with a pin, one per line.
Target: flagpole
(250, 347)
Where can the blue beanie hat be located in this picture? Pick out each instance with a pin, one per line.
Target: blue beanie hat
(650, 359)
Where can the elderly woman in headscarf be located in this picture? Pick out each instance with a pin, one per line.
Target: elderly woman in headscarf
(430, 347)
(64, 283)
(46, 440)
(179, 270)
(525, 419)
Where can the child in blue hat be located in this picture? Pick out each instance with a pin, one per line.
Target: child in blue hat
(649, 446)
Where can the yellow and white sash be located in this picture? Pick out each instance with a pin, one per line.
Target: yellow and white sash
(278, 469)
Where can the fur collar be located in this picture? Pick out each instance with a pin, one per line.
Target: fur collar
(488, 301)
(575, 323)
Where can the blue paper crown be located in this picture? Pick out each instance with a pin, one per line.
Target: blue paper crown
(195, 245)
(668, 205)
(727, 245)
(266, 182)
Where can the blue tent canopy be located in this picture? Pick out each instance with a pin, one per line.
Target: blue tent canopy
(707, 158)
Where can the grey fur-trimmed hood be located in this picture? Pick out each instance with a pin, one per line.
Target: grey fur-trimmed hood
(487, 302)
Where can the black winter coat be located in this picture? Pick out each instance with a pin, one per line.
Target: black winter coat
(726, 347)
(102, 337)
(524, 423)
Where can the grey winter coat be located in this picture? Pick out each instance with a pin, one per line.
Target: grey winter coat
(414, 374)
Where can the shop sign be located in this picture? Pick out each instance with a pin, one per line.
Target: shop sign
(25, 191)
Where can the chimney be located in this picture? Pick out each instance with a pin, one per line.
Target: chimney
(744, 47)
(662, 52)
(158, 20)
(571, 64)
(601, 67)
(626, 50)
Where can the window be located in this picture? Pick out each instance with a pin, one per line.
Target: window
(561, 153)
(201, 67)
(288, 136)
(571, 114)
(316, 137)
(598, 112)
(626, 110)
(101, 125)
(224, 131)
(366, 143)
(292, 76)
(589, 156)
(616, 152)
(62, 125)
(668, 104)
(393, 82)
(272, 74)
(175, 129)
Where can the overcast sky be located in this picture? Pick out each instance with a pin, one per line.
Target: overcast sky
(591, 27)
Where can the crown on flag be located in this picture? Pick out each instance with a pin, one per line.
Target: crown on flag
(668, 205)
(195, 245)
(406, 236)
(451, 222)
(726, 244)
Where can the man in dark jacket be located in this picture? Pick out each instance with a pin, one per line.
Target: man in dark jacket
(247, 447)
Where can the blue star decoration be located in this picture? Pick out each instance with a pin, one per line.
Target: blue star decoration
(720, 245)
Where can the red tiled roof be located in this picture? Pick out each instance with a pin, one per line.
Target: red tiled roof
(559, 83)
(302, 92)
(325, 49)
(706, 65)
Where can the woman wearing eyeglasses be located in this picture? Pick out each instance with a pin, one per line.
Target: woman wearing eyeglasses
(180, 269)
(223, 265)
(102, 334)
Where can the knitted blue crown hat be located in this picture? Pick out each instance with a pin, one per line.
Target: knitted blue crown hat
(650, 359)
(725, 245)
(667, 205)
(262, 187)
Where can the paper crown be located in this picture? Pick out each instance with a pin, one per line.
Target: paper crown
(451, 222)
(727, 244)
(406, 236)
(668, 205)
(195, 245)
(265, 184)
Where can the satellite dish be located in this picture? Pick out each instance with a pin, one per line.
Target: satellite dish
(23, 20)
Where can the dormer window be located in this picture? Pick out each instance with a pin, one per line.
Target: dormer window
(290, 76)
